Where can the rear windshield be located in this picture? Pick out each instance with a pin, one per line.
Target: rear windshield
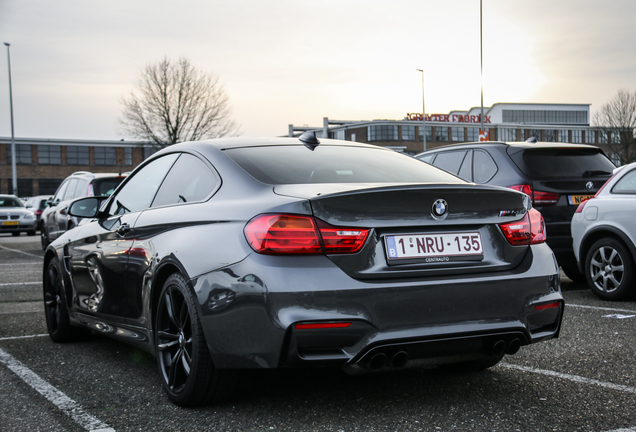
(106, 186)
(334, 164)
(562, 162)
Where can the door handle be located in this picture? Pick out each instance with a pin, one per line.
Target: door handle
(123, 230)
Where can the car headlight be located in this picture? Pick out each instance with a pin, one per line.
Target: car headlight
(29, 216)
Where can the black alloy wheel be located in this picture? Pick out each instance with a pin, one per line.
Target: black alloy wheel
(187, 373)
(55, 309)
(609, 270)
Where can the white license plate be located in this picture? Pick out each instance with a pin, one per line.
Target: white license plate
(433, 245)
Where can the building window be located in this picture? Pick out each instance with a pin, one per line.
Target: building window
(441, 133)
(540, 116)
(22, 154)
(458, 134)
(563, 135)
(382, 133)
(105, 156)
(49, 155)
(577, 136)
(590, 137)
(507, 134)
(549, 135)
(128, 156)
(473, 134)
(77, 155)
(602, 137)
(48, 186)
(408, 133)
(25, 187)
(353, 137)
(339, 134)
(534, 133)
(429, 134)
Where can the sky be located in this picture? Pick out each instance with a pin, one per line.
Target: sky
(287, 62)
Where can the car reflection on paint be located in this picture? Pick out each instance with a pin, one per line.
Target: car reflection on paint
(230, 254)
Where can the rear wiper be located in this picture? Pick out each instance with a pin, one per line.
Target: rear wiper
(590, 173)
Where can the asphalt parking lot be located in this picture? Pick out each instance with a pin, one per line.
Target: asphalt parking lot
(583, 381)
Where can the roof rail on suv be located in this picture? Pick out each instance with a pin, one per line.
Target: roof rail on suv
(82, 173)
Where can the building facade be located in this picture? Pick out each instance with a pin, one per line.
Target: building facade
(567, 123)
(42, 164)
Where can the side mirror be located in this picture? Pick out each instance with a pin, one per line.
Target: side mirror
(85, 207)
(49, 202)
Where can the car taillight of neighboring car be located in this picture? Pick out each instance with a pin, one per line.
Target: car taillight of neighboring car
(281, 234)
(539, 198)
(526, 231)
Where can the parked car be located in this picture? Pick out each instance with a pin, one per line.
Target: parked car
(556, 176)
(15, 217)
(228, 254)
(37, 204)
(604, 236)
(55, 218)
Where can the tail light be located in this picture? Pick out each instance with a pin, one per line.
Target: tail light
(528, 230)
(276, 234)
(581, 206)
(539, 198)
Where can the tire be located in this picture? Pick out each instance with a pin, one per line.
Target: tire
(474, 365)
(609, 269)
(55, 309)
(15, 233)
(187, 373)
(31, 233)
(44, 239)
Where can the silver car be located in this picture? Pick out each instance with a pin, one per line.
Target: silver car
(604, 236)
(14, 217)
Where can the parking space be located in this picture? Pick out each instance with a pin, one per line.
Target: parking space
(583, 381)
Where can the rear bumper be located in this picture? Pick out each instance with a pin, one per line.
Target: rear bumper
(249, 317)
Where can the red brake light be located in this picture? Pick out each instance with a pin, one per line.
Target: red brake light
(581, 206)
(539, 198)
(528, 230)
(293, 234)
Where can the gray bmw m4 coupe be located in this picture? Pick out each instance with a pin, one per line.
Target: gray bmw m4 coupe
(222, 255)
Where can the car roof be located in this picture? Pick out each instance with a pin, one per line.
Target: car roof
(514, 144)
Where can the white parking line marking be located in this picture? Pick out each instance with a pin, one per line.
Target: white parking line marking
(67, 405)
(21, 263)
(624, 430)
(19, 251)
(575, 378)
(20, 283)
(23, 337)
(600, 308)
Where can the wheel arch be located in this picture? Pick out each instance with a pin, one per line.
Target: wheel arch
(602, 232)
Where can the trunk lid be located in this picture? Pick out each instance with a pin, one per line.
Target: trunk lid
(430, 225)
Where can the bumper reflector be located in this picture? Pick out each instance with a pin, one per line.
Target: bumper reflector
(311, 326)
(548, 306)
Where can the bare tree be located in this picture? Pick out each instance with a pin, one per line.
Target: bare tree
(175, 102)
(616, 122)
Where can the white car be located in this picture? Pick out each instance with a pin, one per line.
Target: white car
(604, 236)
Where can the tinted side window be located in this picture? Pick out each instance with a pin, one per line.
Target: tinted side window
(484, 168)
(61, 191)
(450, 161)
(465, 171)
(70, 191)
(626, 185)
(141, 188)
(189, 180)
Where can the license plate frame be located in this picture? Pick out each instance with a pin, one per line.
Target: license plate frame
(10, 223)
(434, 247)
(578, 199)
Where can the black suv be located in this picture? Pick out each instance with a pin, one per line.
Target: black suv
(55, 220)
(557, 176)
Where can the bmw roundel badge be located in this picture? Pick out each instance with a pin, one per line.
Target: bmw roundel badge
(440, 207)
(589, 185)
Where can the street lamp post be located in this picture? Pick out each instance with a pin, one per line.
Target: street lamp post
(13, 160)
(423, 112)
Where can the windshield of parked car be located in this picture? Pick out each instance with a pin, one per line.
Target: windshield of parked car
(563, 162)
(11, 202)
(334, 164)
